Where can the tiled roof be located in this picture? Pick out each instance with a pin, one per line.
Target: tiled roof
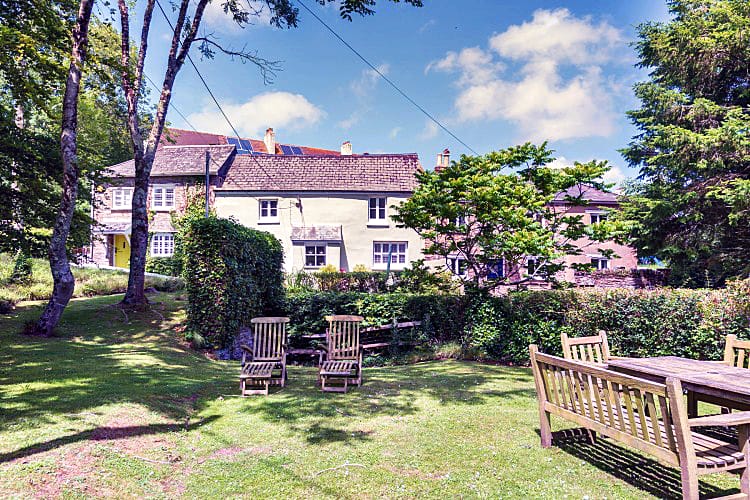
(370, 173)
(589, 194)
(180, 160)
(180, 137)
(113, 228)
(316, 233)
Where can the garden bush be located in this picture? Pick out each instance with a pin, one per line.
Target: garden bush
(168, 266)
(688, 323)
(233, 273)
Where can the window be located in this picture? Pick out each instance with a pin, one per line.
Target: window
(162, 245)
(269, 210)
(377, 209)
(496, 270)
(460, 221)
(382, 249)
(315, 255)
(535, 269)
(122, 198)
(458, 266)
(596, 218)
(599, 263)
(162, 197)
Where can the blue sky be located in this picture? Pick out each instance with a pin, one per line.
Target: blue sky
(497, 73)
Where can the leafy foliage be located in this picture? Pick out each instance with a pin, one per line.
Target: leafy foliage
(689, 206)
(498, 208)
(232, 274)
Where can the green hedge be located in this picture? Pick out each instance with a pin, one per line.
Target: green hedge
(232, 274)
(441, 315)
(689, 323)
(168, 266)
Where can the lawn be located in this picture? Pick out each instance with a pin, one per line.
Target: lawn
(118, 406)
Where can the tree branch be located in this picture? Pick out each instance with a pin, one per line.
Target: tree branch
(267, 68)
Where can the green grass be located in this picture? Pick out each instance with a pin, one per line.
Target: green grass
(89, 282)
(116, 408)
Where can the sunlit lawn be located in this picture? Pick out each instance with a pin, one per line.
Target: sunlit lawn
(123, 409)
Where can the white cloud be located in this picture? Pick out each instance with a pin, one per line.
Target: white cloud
(363, 88)
(430, 130)
(615, 176)
(368, 80)
(269, 109)
(217, 21)
(394, 132)
(558, 92)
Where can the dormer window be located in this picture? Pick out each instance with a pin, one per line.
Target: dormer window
(122, 198)
(162, 198)
(377, 210)
(268, 211)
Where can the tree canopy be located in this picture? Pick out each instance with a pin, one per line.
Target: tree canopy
(497, 208)
(689, 204)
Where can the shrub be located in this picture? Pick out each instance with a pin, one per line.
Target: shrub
(168, 266)
(232, 274)
(21, 268)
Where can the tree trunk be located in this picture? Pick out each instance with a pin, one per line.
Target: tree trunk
(145, 153)
(64, 283)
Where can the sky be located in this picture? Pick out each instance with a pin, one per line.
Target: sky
(495, 72)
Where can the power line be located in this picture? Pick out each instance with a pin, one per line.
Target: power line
(171, 105)
(216, 101)
(388, 80)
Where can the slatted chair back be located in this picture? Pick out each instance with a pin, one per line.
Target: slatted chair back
(343, 336)
(630, 409)
(593, 349)
(269, 338)
(737, 352)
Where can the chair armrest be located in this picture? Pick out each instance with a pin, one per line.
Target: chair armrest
(246, 349)
(723, 420)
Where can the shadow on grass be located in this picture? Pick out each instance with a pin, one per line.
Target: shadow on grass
(638, 470)
(102, 434)
(99, 359)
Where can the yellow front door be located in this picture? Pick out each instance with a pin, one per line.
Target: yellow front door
(122, 251)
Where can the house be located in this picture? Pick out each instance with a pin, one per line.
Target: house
(326, 207)
(617, 269)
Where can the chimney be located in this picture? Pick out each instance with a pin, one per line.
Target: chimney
(270, 140)
(346, 148)
(443, 160)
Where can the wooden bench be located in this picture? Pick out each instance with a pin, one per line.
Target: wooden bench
(645, 415)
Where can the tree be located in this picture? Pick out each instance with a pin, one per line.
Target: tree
(184, 34)
(64, 283)
(689, 203)
(497, 208)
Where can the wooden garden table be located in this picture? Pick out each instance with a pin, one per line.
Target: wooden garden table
(709, 381)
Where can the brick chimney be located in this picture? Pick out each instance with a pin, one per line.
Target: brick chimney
(270, 140)
(443, 160)
(346, 148)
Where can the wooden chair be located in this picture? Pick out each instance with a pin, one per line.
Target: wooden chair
(645, 415)
(737, 352)
(343, 354)
(267, 357)
(593, 349)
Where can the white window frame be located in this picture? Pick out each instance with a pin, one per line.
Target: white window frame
(163, 188)
(316, 255)
(595, 217)
(124, 193)
(600, 263)
(268, 211)
(399, 259)
(162, 244)
(458, 266)
(379, 210)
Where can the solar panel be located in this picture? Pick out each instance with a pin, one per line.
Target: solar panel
(296, 150)
(287, 150)
(245, 144)
(234, 141)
